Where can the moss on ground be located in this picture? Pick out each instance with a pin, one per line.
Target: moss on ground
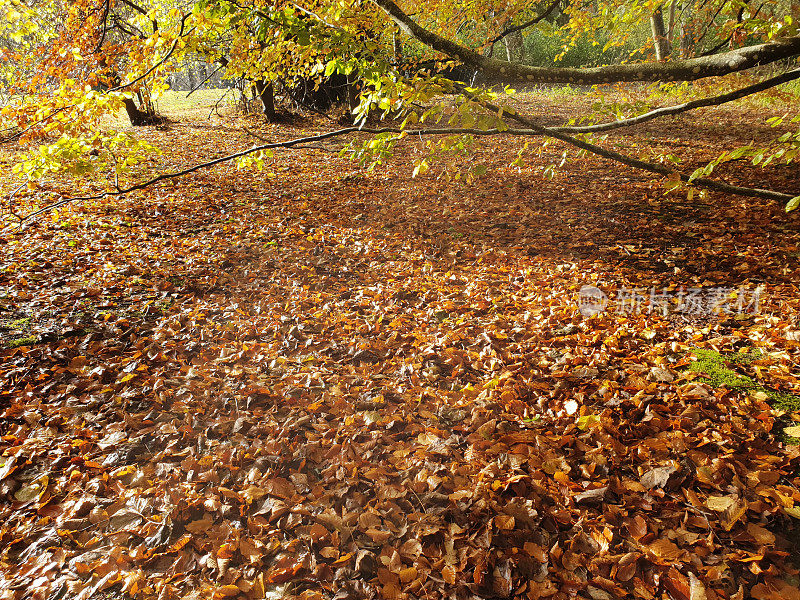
(25, 341)
(23, 323)
(716, 368)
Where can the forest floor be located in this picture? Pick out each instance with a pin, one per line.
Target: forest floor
(318, 382)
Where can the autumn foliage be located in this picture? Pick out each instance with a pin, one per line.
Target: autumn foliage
(237, 363)
(316, 382)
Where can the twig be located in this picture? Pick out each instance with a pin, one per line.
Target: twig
(318, 18)
(199, 85)
(11, 208)
(216, 104)
(525, 25)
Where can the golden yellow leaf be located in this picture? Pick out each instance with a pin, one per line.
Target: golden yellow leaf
(793, 431)
(408, 575)
(226, 591)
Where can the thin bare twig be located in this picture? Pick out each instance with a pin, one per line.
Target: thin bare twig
(527, 24)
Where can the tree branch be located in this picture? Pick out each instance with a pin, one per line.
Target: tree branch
(686, 106)
(199, 85)
(532, 129)
(160, 62)
(141, 11)
(527, 24)
(689, 69)
(635, 162)
(21, 132)
(198, 167)
(106, 10)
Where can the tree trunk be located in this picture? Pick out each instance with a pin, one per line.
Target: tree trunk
(514, 46)
(397, 44)
(687, 32)
(190, 75)
(671, 28)
(137, 116)
(352, 91)
(659, 35)
(563, 16)
(266, 93)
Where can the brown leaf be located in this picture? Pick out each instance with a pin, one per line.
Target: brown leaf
(697, 591)
(677, 585)
(657, 477)
(593, 496)
(226, 591)
(449, 574)
(665, 552)
(504, 522)
(760, 534)
(637, 527)
(407, 575)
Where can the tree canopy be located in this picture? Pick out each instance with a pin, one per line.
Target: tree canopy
(68, 65)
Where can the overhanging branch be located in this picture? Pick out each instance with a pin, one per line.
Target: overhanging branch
(532, 129)
(686, 106)
(689, 69)
(636, 163)
(526, 24)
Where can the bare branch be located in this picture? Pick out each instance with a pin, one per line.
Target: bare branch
(106, 10)
(532, 129)
(199, 85)
(527, 24)
(634, 162)
(686, 106)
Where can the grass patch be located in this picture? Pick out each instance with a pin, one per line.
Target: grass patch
(718, 372)
(178, 102)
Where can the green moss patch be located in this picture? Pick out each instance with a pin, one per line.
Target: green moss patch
(718, 371)
(19, 342)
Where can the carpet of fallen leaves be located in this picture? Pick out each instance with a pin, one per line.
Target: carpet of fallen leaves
(316, 382)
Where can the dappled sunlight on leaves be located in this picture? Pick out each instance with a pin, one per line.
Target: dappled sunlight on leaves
(315, 382)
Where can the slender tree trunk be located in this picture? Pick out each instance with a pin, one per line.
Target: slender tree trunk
(563, 16)
(352, 91)
(266, 93)
(190, 76)
(687, 32)
(514, 46)
(671, 29)
(397, 44)
(659, 35)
